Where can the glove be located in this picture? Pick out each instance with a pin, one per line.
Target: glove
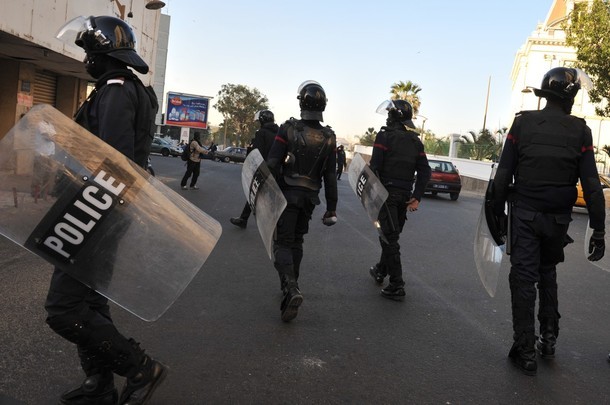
(329, 218)
(597, 246)
(567, 240)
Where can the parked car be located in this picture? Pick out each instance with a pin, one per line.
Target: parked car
(605, 182)
(445, 179)
(209, 155)
(230, 154)
(166, 148)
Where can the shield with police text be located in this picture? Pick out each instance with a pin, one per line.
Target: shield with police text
(368, 188)
(264, 196)
(489, 243)
(78, 203)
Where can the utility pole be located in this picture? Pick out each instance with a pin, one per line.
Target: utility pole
(486, 104)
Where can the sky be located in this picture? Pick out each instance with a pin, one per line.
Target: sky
(356, 50)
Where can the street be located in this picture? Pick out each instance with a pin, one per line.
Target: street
(224, 342)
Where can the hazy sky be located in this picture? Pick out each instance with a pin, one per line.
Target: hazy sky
(356, 50)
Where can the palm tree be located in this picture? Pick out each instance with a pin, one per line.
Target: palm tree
(368, 139)
(407, 91)
(479, 146)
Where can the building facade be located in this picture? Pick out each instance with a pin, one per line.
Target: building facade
(38, 68)
(543, 50)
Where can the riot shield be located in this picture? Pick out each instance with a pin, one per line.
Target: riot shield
(78, 203)
(264, 196)
(368, 188)
(489, 243)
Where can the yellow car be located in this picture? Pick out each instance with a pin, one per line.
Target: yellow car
(604, 180)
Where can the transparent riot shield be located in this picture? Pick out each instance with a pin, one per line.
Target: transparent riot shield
(489, 247)
(264, 196)
(78, 203)
(368, 188)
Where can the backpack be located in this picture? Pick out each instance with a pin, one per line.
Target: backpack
(186, 153)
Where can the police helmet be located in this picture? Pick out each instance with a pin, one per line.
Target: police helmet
(397, 110)
(111, 36)
(312, 96)
(264, 116)
(563, 83)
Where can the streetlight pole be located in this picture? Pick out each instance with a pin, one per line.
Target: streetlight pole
(486, 104)
(528, 89)
(423, 134)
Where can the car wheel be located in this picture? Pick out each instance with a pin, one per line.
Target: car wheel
(454, 196)
(165, 152)
(216, 159)
(227, 159)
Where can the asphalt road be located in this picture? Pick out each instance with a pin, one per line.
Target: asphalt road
(225, 343)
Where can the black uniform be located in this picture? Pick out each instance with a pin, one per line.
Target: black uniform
(303, 154)
(341, 161)
(546, 152)
(398, 154)
(263, 139)
(121, 112)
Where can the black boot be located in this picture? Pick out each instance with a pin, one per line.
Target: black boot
(291, 302)
(523, 355)
(139, 388)
(97, 389)
(376, 273)
(239, 221)
(549, 330)
(394, 292)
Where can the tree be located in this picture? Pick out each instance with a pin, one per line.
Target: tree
(407, 91)
(368, 139)
(587, 30)
(479, 146)
(238, 104)
(436, 146)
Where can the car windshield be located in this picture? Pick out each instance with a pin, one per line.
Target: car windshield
(439, 166)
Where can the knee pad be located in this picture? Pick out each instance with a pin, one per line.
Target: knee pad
(71, 327)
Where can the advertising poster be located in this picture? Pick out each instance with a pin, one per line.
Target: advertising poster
(187, 110)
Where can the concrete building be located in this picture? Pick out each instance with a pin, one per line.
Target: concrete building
(38, 68)
(543, 50)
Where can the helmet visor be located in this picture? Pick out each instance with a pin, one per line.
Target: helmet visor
(306, 83)
(583, 79)
(257, 115)
(385, 107)
(69, 32)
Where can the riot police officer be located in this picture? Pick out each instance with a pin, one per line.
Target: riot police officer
(397, 155)
(121, 112)
(545, 154)
(303, 154)
(263, 139)
(341, 161)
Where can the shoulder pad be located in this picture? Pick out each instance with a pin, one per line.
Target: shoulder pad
(525, 112)
(118, 80)
(327, 132)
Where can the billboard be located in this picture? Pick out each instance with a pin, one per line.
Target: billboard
(187, 110)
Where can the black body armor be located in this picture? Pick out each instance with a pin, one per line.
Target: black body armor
(400, 164)
(308, 151)
(549, 150)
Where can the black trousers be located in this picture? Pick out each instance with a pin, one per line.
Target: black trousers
(340, 170)
(291, 228)
(392, 219)
(192, 169)
(245, 213)
(537, 247)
